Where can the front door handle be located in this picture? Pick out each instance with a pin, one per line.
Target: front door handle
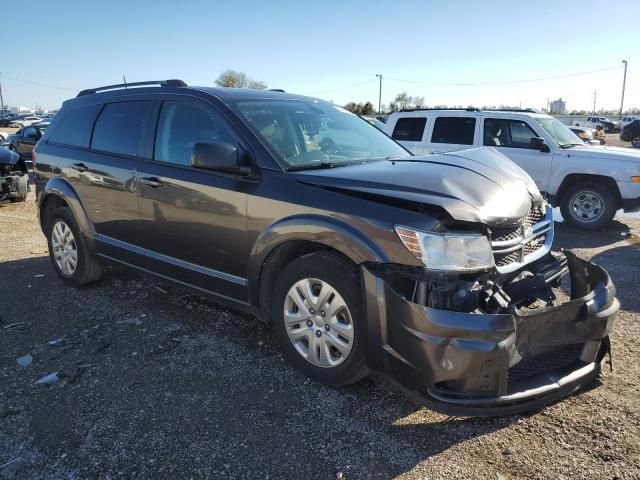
(81, 167)
(153, 182)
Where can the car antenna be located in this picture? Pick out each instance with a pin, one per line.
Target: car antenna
(125, 82)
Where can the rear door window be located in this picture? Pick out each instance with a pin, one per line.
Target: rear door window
(409, 129)
(122, 128)
(455, 130)
(74, 126)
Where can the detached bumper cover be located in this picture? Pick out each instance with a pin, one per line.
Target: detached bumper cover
(484, 364)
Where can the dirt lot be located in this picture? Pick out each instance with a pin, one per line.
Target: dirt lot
(156, 382)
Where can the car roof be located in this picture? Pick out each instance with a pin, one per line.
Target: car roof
(222, 93)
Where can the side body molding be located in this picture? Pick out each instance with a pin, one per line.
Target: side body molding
(332, 232)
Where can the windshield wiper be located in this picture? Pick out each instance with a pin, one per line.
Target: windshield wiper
(313, 166)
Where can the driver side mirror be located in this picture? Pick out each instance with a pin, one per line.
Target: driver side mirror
(537, 143)
(220, 157)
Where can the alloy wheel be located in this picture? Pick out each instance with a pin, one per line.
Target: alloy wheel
(65, 250)
(318, 322)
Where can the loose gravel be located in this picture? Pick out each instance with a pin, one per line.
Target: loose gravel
(154, 381)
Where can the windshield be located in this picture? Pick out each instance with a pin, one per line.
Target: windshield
(559, 132)
(308, 134)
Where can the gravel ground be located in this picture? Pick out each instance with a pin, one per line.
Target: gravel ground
(156, 382)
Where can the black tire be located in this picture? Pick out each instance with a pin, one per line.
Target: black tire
(88, 269)
(345, 279)
(18, 199)
(608, 210)
(635, 142)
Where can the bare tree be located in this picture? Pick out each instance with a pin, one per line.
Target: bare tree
(234, 79)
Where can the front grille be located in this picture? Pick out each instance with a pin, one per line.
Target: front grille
(544, 363)
(504, 259)
(511, 245)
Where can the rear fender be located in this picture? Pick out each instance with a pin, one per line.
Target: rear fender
(62, 188)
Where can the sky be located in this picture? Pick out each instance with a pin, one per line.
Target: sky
(450, 53)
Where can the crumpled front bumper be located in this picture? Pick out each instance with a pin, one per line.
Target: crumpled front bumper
(493, 364)
(14, 186)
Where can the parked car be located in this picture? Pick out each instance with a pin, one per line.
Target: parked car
(25, 122)
(588, 183)
(585, 134)
(13, 177)
(5, 122)
(373, 120)
(631, 133)
(624, 121)
(436, 270)
(23, 141)
(593, 122)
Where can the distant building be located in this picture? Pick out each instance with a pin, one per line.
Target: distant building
(558, 107)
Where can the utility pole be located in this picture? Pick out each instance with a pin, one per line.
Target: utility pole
(1, 99)
(379, 94)
(595, 95)
(624, 84)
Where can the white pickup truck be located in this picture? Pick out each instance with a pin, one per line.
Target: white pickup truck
(588, 183)
(593, 122)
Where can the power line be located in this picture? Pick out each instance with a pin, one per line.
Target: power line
(510, 82)
(39, 84)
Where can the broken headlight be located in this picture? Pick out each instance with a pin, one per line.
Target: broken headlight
(459, 252)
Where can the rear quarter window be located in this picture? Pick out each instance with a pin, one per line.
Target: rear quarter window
(122, 128)
(74, 126)
(409, 129)
(455, 130)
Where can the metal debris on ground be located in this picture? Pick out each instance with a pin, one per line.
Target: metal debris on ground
(10, 462)
(55, 342)
(48, 379)
(25, 360)
(39, 275)
(6, 327)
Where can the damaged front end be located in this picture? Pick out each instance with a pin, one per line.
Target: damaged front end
(496, 342)
(14, 184)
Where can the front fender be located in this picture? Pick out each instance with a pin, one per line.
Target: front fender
(331, 232)
(62, 188)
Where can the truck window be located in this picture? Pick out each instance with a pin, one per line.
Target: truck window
(409, 129)
(122, 127)
(456, 130)
(507, 133)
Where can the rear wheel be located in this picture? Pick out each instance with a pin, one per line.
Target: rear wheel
(72, 260)
(588, 206)
(319, 318)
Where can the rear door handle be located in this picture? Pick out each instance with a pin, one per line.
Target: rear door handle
(153, 182)
(81, 167)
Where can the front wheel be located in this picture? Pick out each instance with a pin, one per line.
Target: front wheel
(72, 260)
(635, 142)
(588, 206)
(319, 318)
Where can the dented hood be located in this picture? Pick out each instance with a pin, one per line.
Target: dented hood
(477, 185)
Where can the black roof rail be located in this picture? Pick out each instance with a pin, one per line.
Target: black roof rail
(277, 90)
(468, 109)
(162, 83)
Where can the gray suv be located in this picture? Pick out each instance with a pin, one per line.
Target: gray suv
(435, 270)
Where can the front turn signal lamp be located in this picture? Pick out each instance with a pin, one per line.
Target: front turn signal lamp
(635, 179)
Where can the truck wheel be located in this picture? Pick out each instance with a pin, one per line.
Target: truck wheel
(72, 260)
(635, 142)
(319, 318)
(18, 199)
(588, 206)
